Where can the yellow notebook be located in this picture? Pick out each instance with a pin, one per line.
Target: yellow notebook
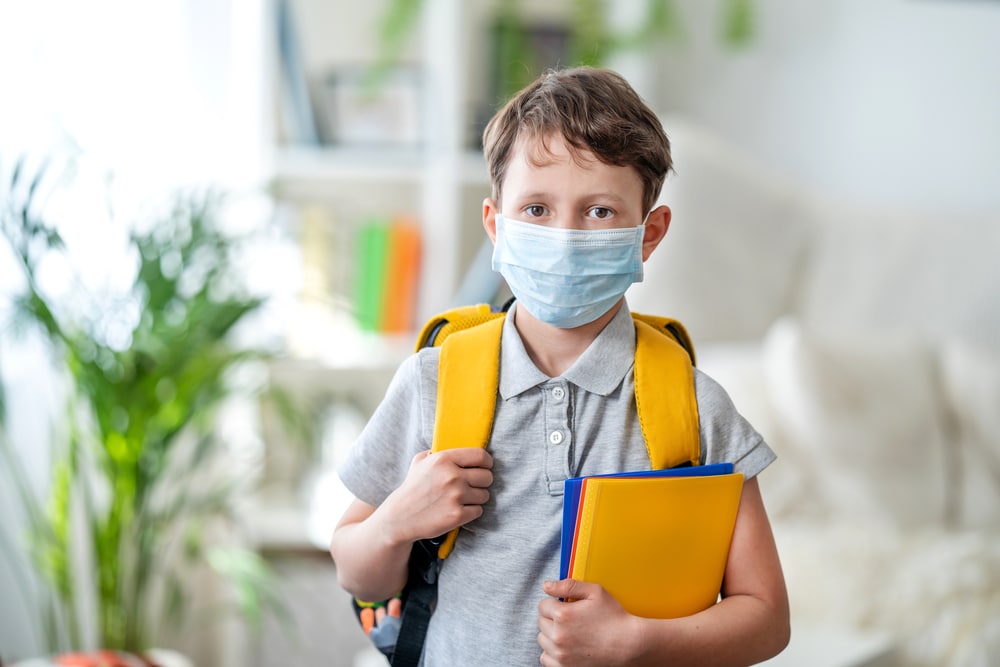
(659, 545)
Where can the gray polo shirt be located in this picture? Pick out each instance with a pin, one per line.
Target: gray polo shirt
(545, 430)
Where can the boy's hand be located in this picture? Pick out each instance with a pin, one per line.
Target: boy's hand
(441, 491)
(592, 630)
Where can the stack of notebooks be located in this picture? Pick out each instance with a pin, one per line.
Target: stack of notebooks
(656, 540)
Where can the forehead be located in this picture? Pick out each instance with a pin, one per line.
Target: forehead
(543, 150)
(550, 164)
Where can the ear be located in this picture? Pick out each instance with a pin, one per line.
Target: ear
(490, 210)
(657, 224)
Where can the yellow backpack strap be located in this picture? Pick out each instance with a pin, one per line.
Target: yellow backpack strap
(671, 327)
(468, 374)
(439, 327)
(664, 393)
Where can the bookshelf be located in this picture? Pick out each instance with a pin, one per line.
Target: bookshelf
(329, 182)
(341, 169)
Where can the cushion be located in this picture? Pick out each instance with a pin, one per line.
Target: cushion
(970, 375)
(863, 413)
(913, 272)
(935, 591)
(739, 368)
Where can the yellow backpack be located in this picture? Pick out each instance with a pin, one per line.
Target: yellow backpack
(468, 375)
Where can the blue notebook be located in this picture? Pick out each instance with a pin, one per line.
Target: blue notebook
(573, 486)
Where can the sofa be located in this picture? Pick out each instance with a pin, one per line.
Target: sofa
(863, 342)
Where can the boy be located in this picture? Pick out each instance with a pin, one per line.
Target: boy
(577, 162)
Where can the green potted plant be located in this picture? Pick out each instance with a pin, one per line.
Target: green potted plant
(139, 481)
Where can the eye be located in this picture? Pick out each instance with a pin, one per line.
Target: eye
(535, 211)
(601, 213)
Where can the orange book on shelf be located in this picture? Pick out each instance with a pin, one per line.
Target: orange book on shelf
(399, 299)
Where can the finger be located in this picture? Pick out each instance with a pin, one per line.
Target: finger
(473, 496)
(367, 619)
(570, 589)
(468, 457)
(469, 513)
(556, 589)
(478, 477)
(548, 647)
(395, 607)
(543, 639)
(546, 610)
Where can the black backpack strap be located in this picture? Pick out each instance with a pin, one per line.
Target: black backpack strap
(421, 598)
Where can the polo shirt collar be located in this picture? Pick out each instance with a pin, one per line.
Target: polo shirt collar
(599, 370)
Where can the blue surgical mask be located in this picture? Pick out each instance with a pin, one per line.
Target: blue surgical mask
(567, 277)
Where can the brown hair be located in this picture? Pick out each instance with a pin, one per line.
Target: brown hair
(594, 110)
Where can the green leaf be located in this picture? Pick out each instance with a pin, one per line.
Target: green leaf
(590, 41)
(254, 583)
(175, 599)
(738, 23)
(394, 32)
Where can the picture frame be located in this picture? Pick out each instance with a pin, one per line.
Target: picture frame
(356, 112)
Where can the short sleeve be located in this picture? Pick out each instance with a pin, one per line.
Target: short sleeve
(401, 426)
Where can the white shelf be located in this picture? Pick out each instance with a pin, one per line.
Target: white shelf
(282, 520)
(369, 165)
(323, 163)
(366, 352)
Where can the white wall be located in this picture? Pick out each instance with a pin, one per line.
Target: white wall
(892, 101)
(162, 94)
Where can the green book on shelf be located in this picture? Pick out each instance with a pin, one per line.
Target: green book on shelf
(371, 271)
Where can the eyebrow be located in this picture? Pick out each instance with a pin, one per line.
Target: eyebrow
(590, 195)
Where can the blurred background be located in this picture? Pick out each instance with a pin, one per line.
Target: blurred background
(336, 145)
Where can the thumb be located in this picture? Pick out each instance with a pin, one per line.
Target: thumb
(569, 589)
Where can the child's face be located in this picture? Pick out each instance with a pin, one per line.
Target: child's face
(575, 191)
(558, 282)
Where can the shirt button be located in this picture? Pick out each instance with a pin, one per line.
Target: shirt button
(558, 393)
(556, 437)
